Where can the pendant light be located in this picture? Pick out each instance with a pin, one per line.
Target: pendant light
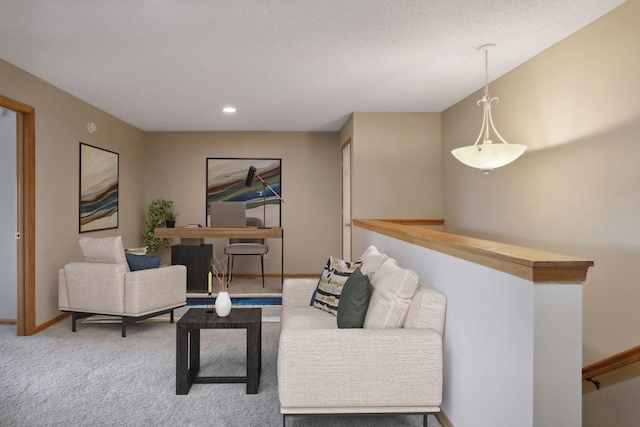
(487, 156)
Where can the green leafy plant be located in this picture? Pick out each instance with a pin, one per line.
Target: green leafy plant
(171, 216)
(156, 217)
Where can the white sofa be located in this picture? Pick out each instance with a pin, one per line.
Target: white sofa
(105, 285)
(382, 368)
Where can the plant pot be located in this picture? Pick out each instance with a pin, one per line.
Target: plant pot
(171, 224)
(223, 304)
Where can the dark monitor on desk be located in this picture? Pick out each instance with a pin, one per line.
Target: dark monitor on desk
(228, 214)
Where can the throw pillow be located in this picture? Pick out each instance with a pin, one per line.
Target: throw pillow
(325, 273)
(393, 288)
(354, 301)
(107, 250)
(142, 262)
(372, 259)
(333, 278)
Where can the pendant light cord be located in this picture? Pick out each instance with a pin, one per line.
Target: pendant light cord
(486, 73)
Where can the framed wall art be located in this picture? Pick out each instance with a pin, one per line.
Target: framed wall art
(99, 176)
(226, 183)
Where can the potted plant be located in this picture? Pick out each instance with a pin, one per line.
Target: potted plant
(170, 219)
(156, 217)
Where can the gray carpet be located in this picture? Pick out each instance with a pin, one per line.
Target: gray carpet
(96, 378)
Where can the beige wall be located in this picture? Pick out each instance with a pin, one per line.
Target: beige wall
(396, 170)
(175, 170)
(576, 190)
(61, 124)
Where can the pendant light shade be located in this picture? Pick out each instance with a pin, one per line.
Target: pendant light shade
(487, 156)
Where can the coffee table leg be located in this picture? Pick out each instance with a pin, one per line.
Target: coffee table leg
(182, 360)
(194, 353)
(259, 349)
(254, 357)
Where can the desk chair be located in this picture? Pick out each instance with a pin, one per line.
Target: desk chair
(246, 247)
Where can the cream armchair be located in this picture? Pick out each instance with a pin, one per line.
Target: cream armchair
(104, 285)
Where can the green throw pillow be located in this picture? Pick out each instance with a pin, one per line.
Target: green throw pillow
(354, 301)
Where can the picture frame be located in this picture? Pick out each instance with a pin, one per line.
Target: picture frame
(98, 189)
(226, 183)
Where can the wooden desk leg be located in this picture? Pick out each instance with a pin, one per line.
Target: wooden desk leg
(254, 357)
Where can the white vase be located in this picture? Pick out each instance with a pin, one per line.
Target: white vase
(223, 304)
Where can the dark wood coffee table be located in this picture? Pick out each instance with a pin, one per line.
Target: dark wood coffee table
(188, 346)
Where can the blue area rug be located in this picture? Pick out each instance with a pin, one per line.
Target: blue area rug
(253, 301)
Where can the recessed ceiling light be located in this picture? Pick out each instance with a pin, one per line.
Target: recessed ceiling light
(229, 110)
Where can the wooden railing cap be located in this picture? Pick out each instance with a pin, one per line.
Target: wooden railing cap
(530, 264)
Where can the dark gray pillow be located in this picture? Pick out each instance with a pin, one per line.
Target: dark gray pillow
(142, 262)
(354, 301)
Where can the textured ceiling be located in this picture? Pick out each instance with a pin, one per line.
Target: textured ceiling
(286, 65)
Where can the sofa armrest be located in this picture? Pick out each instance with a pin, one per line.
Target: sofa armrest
(93, 287)
(155, 289)
(348, 368)
(297, 292)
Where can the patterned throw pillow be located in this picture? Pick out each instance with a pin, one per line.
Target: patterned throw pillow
(332, 279)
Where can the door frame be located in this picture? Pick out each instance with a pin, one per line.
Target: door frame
(346, 144)
(26, 166)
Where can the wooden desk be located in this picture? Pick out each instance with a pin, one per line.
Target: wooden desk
(224, 233)
(219, 233)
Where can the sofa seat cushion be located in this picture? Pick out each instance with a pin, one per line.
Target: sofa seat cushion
(307, 317)
(393, 288)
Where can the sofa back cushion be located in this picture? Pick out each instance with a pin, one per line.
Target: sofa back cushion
(106, 250)
(372, 259)
(427, 310)
(393, 288)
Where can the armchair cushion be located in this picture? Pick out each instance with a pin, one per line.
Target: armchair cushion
(107, 250)
(142, 262)
(155, 289)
